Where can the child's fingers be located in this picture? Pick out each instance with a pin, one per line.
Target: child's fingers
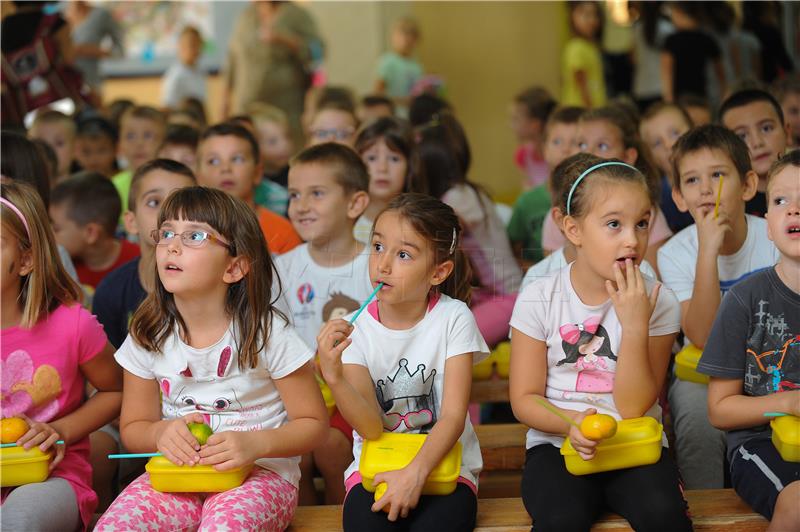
(654, 295)
(36, 439)
(378, 505)
(227, 465)
(621, 285)
(49, 442)
(193, 418)
(60, 451)
(183, 435)
(181, 450)
(341, 346)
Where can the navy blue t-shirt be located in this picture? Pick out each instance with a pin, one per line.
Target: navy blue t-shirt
(117, 297)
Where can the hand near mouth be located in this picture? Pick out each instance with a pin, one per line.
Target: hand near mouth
(711, 231)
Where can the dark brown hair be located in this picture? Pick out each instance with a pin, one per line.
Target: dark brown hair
(437, 223)
(399, 138)
(564, 115)
(167, 165)
(658, 107)
(232, 129)
(711, 137)
(538, 102)
(89, 197)
(27, 163)
(249, 302)
(348, 169)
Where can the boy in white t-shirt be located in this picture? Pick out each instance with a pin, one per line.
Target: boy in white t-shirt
(327, 277)
(713, 181)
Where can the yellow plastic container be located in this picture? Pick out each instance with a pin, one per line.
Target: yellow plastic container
(786, 437)
(18, 466)
(170, 478)
(637, 442)
(503, 358)
(327, 396)
(395, 451)
(686, 365)
(483, 370)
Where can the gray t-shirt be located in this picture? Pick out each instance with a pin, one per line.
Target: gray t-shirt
(756, 338)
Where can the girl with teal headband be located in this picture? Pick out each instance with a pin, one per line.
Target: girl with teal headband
(595, 337)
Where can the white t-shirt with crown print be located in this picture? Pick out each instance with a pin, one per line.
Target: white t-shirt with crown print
(407, 370)
(582, 344)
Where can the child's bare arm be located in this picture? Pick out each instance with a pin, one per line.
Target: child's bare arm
(583, 87)
(730, 409)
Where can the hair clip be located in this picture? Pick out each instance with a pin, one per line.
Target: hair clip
(453, 243)
(589, 171)
(22, 216)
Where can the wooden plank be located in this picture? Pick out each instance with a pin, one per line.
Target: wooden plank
(502, 446)
(489, 391)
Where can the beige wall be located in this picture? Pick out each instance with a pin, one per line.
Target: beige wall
(486, 51)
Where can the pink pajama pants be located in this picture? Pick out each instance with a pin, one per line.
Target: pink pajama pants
(265, 501)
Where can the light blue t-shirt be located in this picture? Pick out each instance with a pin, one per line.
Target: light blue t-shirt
(398, 73)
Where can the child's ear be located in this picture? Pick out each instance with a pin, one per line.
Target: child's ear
(441, 272)
(631, 155)
(25, 262)
(357, 204)
(677, 197)
(236, 270)
(750, 185)
(92, 232)
(129, 219)
(571, 230)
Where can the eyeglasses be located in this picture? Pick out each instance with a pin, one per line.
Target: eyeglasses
(333, 134)
(190, 239)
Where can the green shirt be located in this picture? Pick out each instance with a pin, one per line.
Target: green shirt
(122, 181)
(527, 220)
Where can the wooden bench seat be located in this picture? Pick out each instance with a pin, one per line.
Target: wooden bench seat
(712, 510)
(489, 391)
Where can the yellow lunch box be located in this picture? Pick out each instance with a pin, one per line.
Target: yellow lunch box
(686, 365)
(637, 442)
(786, 437)
(499, 359)
(170, 478)
(395, 451)
(327, 396)
(18, 466)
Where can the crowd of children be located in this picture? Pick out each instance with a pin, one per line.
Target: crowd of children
(158, 272)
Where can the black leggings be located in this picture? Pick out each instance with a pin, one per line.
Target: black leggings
(455, 512)
(649, 497)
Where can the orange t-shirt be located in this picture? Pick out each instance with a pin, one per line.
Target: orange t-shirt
(278, 231)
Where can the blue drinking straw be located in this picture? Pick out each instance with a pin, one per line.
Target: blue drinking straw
(133, 455)
(775, 414)
(7, 445)
(365, 303)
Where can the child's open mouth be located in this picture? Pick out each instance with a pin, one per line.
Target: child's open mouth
(793, 230)
(172, 268)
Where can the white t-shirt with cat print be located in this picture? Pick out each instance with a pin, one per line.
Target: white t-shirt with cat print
(407, 370)
(209, 381)
(582, 344)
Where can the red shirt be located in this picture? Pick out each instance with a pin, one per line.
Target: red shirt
(127, 252)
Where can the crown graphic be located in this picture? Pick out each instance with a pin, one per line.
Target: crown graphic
(405, 385)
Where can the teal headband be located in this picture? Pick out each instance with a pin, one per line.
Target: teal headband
(589, 171)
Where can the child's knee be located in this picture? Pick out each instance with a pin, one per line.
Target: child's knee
(337, 451)
(787, 510)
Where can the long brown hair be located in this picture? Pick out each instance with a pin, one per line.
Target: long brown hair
(437, 223)
(249, 302)
(399, 138)
(47, 285)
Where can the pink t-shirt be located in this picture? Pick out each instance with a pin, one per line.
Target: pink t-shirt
(531, 162)
(41, 378)
(553, 238)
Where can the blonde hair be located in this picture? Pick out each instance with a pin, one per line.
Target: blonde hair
(47, 285)
(262, 112)
(51, 116)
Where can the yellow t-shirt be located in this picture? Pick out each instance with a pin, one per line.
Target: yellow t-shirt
(580, 54)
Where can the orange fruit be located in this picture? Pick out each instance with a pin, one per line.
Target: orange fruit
(12, 429)
(598, 426)
(380, 489)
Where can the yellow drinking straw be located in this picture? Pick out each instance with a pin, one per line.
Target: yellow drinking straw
(719, 195)
(555, 411)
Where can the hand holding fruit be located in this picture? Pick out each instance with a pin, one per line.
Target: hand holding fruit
(38, 433)
(177, 443)
(584, 446)
(231, 449)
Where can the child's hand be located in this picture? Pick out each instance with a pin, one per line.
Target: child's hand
(230, 449)
(403, 488)
(43, 435)
(631, 303)
(332, 340)
(585, 447)
(711, 231)
(792, 402)
(176, 443)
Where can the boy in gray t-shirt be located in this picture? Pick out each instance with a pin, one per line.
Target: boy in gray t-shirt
(753, 357)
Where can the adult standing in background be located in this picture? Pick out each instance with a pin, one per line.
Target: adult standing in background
(90, 25)
(269, 58)
(650, 31)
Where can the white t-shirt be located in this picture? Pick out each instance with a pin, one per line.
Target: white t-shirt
(181, 81)
(556, 261)
(407, 369)
(677, 259)
(362, 230)
(209, 381)
(313, 294)
(582, 344)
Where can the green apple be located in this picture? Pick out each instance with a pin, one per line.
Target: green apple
(201, 431)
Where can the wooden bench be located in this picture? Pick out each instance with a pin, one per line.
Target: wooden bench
(493, 390)
(717, 510)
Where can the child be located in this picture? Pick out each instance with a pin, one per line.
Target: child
(525, 227)
(757, 118)
(180, 144)
(328, 192)
(787, 92)
(141, 132)
(50, 347)
(206, 346)
(119, 294)
(373, 107)
(57, 130)
(275, 143)
(555, 261)
(398, 71)
(687, 54)
(229, 160)
(184, 79)
(700, 264)
(697, 108)
(609, 132)
(661, 126)
(529, 114)
(445, 155)
(85, 209)
(96, 146)
(751, 356)
(595, 337)
(388, 149)
(418, 381)
(582, 62)
(333, 123)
